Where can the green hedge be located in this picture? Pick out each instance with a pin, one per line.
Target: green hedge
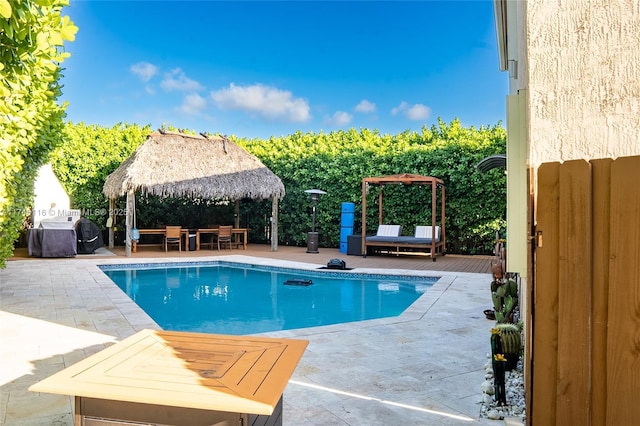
(335, 162)
(338, 161)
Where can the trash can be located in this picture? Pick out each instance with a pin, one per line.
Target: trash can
(354, 245)
(192, 242)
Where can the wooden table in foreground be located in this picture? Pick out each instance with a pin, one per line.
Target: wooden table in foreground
(180, 379)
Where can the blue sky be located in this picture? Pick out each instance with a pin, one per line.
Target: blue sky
(261, 69)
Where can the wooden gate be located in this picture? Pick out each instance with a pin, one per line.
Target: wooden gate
(586, 308)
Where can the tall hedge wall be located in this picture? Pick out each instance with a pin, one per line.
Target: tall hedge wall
(335, 162)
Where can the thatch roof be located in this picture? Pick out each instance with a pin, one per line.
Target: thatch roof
(196, 166)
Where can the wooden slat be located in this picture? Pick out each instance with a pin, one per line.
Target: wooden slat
(601, 170)
(545, 309)
(574, 295)
(623, 349)
(527, 290)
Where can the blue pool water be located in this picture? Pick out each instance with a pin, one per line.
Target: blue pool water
(234, 298)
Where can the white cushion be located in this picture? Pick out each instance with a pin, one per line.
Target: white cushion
(427, 232)
(389, 230)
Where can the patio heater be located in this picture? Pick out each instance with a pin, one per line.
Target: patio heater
(313, 237)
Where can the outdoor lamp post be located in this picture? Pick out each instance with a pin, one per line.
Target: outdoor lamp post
(312, 237)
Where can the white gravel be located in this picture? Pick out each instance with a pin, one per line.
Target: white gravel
(514, 386)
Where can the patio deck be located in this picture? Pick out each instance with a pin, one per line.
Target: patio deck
(424, 367)
(417, 262)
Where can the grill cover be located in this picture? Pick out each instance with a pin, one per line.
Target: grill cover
(89, 236)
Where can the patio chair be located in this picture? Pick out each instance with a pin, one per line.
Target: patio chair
(224, 235)
(173, 236)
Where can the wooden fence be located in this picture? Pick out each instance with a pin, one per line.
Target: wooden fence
(586, 308)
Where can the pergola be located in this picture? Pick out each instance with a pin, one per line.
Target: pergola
(435, 185)
(197, 166)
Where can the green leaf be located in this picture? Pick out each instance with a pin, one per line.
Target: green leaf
(5, 9)
(69, 30)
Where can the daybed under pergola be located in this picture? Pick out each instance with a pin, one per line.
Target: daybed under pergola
(433, 243)
(196, 166)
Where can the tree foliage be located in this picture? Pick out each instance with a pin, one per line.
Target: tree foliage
(32, 34)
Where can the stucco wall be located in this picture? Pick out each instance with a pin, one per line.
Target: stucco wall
(584, 79)
(50, 198)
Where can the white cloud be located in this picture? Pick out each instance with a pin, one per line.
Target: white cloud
(177, 80)
(267, 101)
(418, 112)
(340, 118)
(415, 112)
(144, 70)
(402, 107)
(365, 106)
(193, 104)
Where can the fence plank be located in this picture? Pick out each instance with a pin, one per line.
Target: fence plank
(623, 349)
(601, 178)
(545, 304)
(574, 295)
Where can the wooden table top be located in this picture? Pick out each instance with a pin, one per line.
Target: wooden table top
(242, 374)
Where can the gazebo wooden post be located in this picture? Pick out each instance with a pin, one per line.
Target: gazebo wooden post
(128, 222)
(112, 209)
(434, 212)
(442, 217)
(380, 205)
(364, 216)
(236, 215)
(274, 223)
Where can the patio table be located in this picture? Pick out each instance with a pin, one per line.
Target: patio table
(157, 231)
(236, 232)
(180, 378)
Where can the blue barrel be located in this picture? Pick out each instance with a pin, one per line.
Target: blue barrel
(345, 231)
(348, 210)
(346, 224)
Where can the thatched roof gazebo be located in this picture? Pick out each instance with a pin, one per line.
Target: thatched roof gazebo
(194, 166)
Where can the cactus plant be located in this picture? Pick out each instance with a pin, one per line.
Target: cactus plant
(506, 344)
(504, 294)
(504, 288)
(510, 343)
(498, 361)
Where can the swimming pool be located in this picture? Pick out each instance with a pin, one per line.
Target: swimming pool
(236, 298)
